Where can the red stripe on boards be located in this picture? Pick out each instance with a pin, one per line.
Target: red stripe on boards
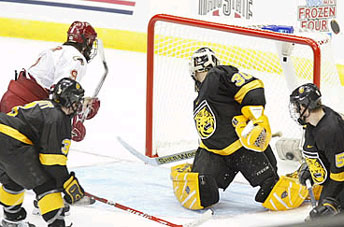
(118, 2)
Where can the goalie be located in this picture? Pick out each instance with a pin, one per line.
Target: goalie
(235, 135)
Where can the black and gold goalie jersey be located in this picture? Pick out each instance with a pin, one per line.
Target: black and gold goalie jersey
(222, 94)
(43, 125)
(323, 150)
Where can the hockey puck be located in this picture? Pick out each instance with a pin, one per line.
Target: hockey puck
(289, 156)
(335, 26)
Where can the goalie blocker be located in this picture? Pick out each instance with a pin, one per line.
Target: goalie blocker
(198, 191)
(253, 128)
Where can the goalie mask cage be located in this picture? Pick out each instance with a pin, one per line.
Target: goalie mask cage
(170, 127)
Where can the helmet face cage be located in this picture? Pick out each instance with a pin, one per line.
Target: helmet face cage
(91, 50)
(294, 111)
(307, 96)
(201, 61)
(84, 34)
(69, 93)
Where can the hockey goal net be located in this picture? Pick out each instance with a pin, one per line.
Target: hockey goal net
(282, 61)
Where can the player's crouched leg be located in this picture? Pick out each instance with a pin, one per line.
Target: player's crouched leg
(11, 197)
(286, 194)
(51, 205)
(193, 190)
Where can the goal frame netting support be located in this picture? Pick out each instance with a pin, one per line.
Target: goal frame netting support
(220, 27)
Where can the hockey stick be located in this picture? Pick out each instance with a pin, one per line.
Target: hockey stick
(101, 82)
(168, 158)
(311, 193)
(205, 216)
(158, 160)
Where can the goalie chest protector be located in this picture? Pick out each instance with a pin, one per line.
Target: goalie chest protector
(221, 97)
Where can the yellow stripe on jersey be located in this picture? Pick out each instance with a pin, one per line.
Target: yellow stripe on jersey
(53, 159)
(11, 199)
(226, 151)
(240, 95)
(337, 176)
(14, 133)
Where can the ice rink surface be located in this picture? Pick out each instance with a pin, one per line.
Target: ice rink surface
(107, 170)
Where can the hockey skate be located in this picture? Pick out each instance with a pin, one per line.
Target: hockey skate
(8, 223)
(85, 201)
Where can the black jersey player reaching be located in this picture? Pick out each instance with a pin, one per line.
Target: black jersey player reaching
(35, 141)
(323, 147)
(234, 137)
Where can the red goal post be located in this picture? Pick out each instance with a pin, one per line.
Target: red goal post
(242, 31)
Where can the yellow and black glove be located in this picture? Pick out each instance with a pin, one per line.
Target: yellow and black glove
(304, 174)
(72, 189)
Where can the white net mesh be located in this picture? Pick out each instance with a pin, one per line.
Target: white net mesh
(173, 87)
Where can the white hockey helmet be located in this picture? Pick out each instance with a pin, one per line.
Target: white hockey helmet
(202, 60)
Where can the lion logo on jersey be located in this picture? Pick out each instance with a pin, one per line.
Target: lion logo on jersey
(204, 120)
(317, 170)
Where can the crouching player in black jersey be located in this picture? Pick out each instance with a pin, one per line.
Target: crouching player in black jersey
(235, 136)
(323, 148)
(35, 141)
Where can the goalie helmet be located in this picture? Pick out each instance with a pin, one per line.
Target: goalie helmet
(68, 93)
(202, 60)
(83, 36)
(307, 96)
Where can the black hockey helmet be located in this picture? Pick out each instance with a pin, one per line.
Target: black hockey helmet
(68, 92)
(308, 96)
(202, 60)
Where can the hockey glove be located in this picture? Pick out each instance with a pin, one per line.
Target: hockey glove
(304, 174)
(78, 129)
(328, 207)
(72, 190)
(93, 105)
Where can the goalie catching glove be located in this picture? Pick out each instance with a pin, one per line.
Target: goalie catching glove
(72, 189)
(253, 128)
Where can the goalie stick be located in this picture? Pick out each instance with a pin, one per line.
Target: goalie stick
(158, 160)
(203, 217)
(101, 82)
(168, 158)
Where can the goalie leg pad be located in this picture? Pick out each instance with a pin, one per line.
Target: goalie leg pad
(317, 189)
(287, 194)
(192, 190)
(288, 149)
